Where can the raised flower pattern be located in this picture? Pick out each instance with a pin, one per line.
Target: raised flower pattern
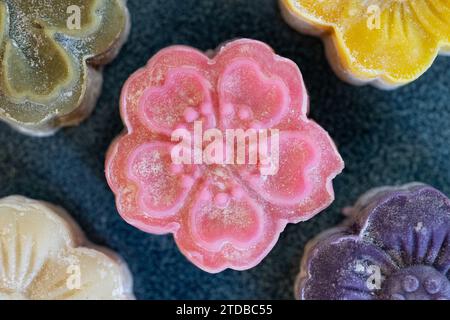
(394, 246)
(387, 43)
(50, 73)
(42, 257)
(222, 215)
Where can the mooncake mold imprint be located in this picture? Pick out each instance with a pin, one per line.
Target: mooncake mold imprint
(385, 43)
(222, 215)
(395, 245)
(45, 256)
(51, 54)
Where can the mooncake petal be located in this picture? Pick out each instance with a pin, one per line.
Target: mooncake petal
(249, 99)
(226, 227)
(183, 99)
(413, 225)
(298, 184)
(343, 268)
(163, 186)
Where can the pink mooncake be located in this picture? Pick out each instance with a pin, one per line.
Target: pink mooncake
(219, 152)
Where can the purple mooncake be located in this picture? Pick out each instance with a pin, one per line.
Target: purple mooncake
(395, 245)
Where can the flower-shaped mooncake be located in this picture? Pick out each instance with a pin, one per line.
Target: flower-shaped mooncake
(386, 43)
(395, 245)
(51, 55)
(222, 214)
(41, 257)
